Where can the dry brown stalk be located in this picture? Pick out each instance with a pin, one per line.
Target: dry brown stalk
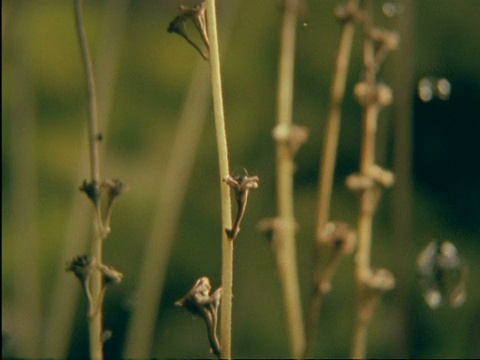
(347, 14)
(371, 284)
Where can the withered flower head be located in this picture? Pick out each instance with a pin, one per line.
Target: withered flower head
(200, 303)
(81, 266)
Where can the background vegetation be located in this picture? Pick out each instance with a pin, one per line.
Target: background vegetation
(41, 66)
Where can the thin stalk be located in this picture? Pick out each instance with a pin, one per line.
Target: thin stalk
(327, 167)
(141, 330)
(95, 321)
(286, 253)
(227, 244)
(60, 321)
(367, 296)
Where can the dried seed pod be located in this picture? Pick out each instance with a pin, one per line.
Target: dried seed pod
(114, 188)
(241, 185)
(197, 297)
(200, 303)
(197, 15)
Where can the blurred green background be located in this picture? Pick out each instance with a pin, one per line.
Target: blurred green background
(143, 76)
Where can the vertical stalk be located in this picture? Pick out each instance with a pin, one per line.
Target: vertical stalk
(95, 321)
(58, 328)
(141, 330)
(327, 168)
(370, 285)
(286, 253)
(367, 160)
(227, 245)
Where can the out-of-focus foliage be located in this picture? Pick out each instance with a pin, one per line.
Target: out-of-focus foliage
(154, 71)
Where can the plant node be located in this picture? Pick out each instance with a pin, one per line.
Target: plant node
(81, 266)
(340, 236)
(292, 135)
(91, 190)
(348, 12)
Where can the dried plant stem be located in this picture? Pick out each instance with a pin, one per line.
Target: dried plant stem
(327, 165)
(227, 244)
(368, 294)
(327, 168)
(59, 323)
(286, 252)
(95, 320)
(141, 330)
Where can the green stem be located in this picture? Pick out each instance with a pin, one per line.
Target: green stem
(95, 322)
(227, 245)
(59, 323)
(286, 253)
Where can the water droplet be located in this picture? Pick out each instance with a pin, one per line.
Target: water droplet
(442, 274)
(443, 88)
(425, 89)
(432, 87)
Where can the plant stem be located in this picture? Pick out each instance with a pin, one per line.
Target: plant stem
(286, 253)
(95, 322)
(327, 168)
(369, 196)
(59, 323)
(227, 245)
